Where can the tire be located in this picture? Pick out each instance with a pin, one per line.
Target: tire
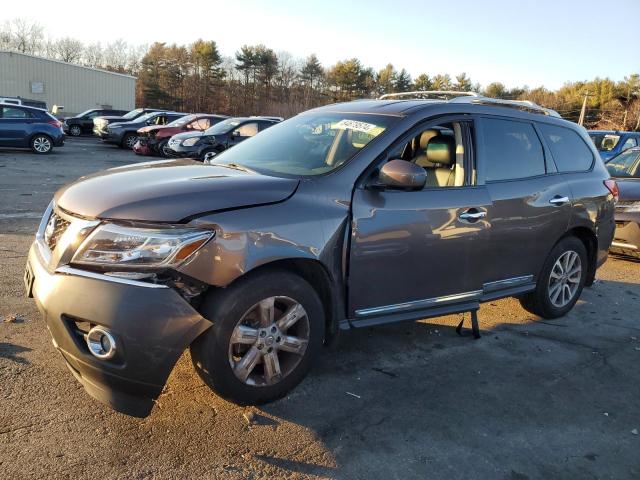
(214, 351)
(129, 140)
(75, 130)
(41, 144)
(161, 146)
(555, 297)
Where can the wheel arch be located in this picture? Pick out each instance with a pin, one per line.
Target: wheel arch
(320, 279)
(589, 239)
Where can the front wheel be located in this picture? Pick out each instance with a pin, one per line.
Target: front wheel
(129, 141)
(75, 130)
(41, 144)
(561, 280)
(266, 331)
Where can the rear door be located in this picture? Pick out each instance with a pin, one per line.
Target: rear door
(15, 126)
(531, 203)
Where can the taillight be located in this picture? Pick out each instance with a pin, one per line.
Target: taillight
(612, 186)
(55, 123)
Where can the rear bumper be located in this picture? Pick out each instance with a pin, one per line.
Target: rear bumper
(626, 239)
(152, 325)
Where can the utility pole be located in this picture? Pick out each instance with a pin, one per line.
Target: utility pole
(583, 111)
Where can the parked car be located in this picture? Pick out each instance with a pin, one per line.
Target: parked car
(218, 138)
(612, 142)
(153, 139)
(29, 127)
(100, 123)
(83, 123)
(125, 134)
(349, 215)
(625, 168)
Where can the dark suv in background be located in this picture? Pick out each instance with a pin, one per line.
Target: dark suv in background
(83, 123)
(349, 215)
(28, 127)
(100, 123)
(125, 134)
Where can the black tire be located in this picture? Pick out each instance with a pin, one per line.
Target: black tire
(539, 301)
(225, 307)
(75, 130)
(203, 154)
(41, 144)
(161, 147)
(129, 140)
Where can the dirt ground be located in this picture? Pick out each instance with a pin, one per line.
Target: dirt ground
(531, 399)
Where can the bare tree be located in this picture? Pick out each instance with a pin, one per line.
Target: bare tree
(69, 50)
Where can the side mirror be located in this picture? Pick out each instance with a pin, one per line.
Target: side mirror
(402, 174)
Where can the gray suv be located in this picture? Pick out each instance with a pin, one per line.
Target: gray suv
(344, 216)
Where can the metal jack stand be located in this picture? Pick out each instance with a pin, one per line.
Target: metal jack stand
(475, 330)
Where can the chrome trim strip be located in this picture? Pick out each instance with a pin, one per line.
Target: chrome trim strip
(64, 270)
(626, 246)
(506, 283)
(418, 304)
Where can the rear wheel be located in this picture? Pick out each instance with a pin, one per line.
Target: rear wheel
(129, 140)
(41, 144)
(561, 280)
(75, 130)
(266, 331)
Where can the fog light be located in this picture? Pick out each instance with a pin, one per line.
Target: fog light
(101, 343)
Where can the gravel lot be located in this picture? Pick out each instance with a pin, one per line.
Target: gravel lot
(531, 399)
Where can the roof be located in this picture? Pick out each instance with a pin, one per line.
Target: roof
(613, 132)
(44, 59)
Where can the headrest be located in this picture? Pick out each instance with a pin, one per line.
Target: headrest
(441, 149)
(425, 137)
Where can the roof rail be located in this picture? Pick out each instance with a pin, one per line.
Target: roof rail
(425, 94)
(525, 105)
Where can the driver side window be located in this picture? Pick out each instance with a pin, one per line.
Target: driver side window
(246, 130)
(439, 149)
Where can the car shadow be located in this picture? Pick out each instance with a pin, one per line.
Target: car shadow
(11, 352)
(420, 392)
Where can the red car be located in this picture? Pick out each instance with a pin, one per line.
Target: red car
(153, 139)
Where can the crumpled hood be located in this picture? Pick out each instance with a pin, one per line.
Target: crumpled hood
(169, 191)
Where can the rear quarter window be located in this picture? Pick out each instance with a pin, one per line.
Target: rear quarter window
(512, 150)
(569, 151)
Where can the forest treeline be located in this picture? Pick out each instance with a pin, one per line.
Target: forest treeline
(259, 80)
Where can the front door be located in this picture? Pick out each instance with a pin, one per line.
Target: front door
(415, 251)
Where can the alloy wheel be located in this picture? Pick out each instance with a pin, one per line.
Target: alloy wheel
(131, 141)
(269, 341)
(75, 131)
(42, 144)
(564, 279)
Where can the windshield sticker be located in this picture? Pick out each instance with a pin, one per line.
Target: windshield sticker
(355, 125)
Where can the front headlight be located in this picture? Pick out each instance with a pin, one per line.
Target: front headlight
(118, 246)
(190, 142)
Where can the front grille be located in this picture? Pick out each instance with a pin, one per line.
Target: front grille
(56, 226)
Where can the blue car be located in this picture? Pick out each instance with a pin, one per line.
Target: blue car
(28, 127)
(613, 142)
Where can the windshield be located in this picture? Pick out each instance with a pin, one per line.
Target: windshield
(224, 126)
(306, 145)
(625, 165)
(605, 142)
(133, 114)
(182, 121)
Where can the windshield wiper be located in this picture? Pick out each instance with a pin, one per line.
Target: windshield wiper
(234, 166)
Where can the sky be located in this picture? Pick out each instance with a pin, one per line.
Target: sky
(533, 43)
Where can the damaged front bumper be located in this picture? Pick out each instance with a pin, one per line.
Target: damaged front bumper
(151, 324)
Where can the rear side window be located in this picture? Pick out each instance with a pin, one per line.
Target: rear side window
(512, 150)
(569, 151)
(11, 112)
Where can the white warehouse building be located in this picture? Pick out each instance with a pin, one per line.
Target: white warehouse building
(74, 87)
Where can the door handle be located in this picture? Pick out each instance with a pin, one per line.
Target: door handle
(472, 215)
(558, 200)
